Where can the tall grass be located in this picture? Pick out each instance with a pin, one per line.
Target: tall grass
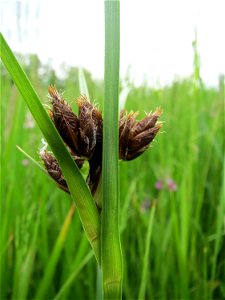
(173, 241)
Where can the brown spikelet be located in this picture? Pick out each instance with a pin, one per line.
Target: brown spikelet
(53, 169)
(126, 124)
(138, 144)
(147, 123)
(66, 122)
(87, 128)
(90, 127)
(135, 137)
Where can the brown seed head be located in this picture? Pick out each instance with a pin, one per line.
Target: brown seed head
(135, 137)
(53, 169)
(83, 136)
(66, 122)
(90, 130)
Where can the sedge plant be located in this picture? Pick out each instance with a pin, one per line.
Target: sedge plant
(99, 138)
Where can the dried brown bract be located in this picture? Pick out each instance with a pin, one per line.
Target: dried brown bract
(135, 137)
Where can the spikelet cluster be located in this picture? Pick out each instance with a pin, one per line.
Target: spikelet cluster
(83, 133)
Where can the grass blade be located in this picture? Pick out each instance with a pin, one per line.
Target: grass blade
(50, 268)
(73, 275)
(33, 160)
(27, 268)
(80, 193)
(146, 255)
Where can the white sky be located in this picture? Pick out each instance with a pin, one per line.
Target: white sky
(156, 35)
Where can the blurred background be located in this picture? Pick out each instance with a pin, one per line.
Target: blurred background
(172, 56)
(156, 36)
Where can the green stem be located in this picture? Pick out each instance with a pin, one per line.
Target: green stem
(111, 248)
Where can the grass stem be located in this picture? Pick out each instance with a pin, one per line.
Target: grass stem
(111, 248)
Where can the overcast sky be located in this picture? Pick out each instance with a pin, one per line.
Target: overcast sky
(156, 35)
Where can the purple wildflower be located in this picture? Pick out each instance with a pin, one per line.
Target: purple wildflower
(171, 185)
(159, 185)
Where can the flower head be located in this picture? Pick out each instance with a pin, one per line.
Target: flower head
(171, 185)
(90, 127)
(66, 122)
(83, 133)
(159, 185)
(136, 136)
(168, 184)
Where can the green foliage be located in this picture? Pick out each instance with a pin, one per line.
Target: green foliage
(185, 257)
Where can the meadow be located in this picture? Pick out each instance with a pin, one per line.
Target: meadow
(172, 197)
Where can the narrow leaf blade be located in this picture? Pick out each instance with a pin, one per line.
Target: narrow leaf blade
(79, 191)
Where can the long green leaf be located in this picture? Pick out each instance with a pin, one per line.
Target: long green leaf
(79, 191)
(53, 259)
(36, 163)
(27, 266)
(144, 276)
(111, 248)
(72, 276)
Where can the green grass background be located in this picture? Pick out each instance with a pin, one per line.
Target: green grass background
(173, 241)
